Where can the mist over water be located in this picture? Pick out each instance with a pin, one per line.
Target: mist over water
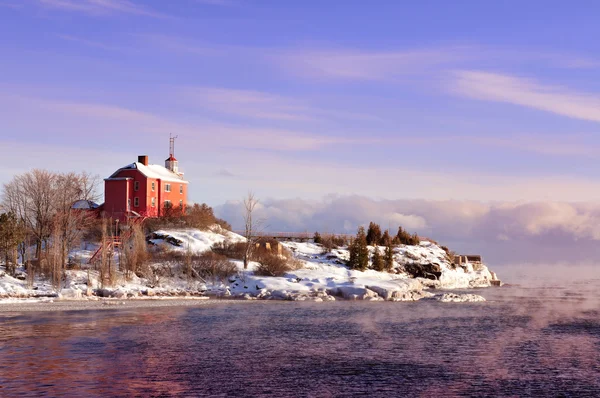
(539, 336)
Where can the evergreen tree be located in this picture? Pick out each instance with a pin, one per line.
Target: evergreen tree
(388, 259)
(416, 241)
(385, 238)
(404, 238)
(373, 234)
(359, 252)
(377, 261)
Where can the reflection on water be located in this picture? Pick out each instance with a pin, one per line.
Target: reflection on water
(538, 339)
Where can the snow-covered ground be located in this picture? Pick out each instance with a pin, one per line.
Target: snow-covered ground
(321, 277)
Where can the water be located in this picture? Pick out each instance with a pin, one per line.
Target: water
(538, 339)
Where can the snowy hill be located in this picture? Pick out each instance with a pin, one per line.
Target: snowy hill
(321, 277)
(194, 240)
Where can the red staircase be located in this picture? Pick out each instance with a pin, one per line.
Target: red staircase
(116, 241)
(108, 244)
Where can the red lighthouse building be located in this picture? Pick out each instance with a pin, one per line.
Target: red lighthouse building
(141, 189)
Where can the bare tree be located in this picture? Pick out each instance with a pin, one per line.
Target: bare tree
(39, 188)
(104, 255)
(14, 201)
(71, 187)
(54, 257)
(88, 186)
(135, 251)
(41, 198)
(251, 226)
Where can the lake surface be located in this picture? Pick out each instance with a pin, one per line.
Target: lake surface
(541, 338)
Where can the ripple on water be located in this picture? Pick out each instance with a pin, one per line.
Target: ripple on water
(516, 344)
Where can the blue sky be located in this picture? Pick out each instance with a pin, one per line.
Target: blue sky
(435, 100)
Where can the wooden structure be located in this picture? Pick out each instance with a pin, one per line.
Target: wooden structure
(473, 259)
(289, 235)
(111, 243)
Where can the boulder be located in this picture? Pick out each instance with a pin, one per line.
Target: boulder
(120, 294)
(103, 292)
(280, 295)
(353, 292)
(429, 283)
(72, 294)
(390, 290)
(423, 270)
(459, 298)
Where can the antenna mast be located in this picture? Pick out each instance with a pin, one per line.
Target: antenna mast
(172, 145)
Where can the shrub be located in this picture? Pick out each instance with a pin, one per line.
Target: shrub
(317, 238)
(331, 242)
(223, 224)
(210, 265)
(272, 265)
(135, 252)
(93, 232)
(200, 216)
(229, 249)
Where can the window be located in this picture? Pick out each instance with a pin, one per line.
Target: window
(153, 186)
(153, 202)
(181, 189)
(167, 187)
(181, 204)
(136, 202)
(167, 204)
(136, 186)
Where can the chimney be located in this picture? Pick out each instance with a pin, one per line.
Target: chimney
(143, 159)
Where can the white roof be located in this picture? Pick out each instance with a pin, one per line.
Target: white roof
(84, 205)
(153, 171)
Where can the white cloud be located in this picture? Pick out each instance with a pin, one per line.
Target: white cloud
(101, 7)
(409, 221)
(367, 65)
(510, 231)
(262, 105)
(248, 103)
(446, 219)
(526, 92)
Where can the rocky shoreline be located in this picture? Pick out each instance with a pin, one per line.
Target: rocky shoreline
(419, 272)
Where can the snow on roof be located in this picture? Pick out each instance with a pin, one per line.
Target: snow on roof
(85, 205)
(153, 171)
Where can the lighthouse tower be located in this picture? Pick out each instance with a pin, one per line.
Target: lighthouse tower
(171, 163)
